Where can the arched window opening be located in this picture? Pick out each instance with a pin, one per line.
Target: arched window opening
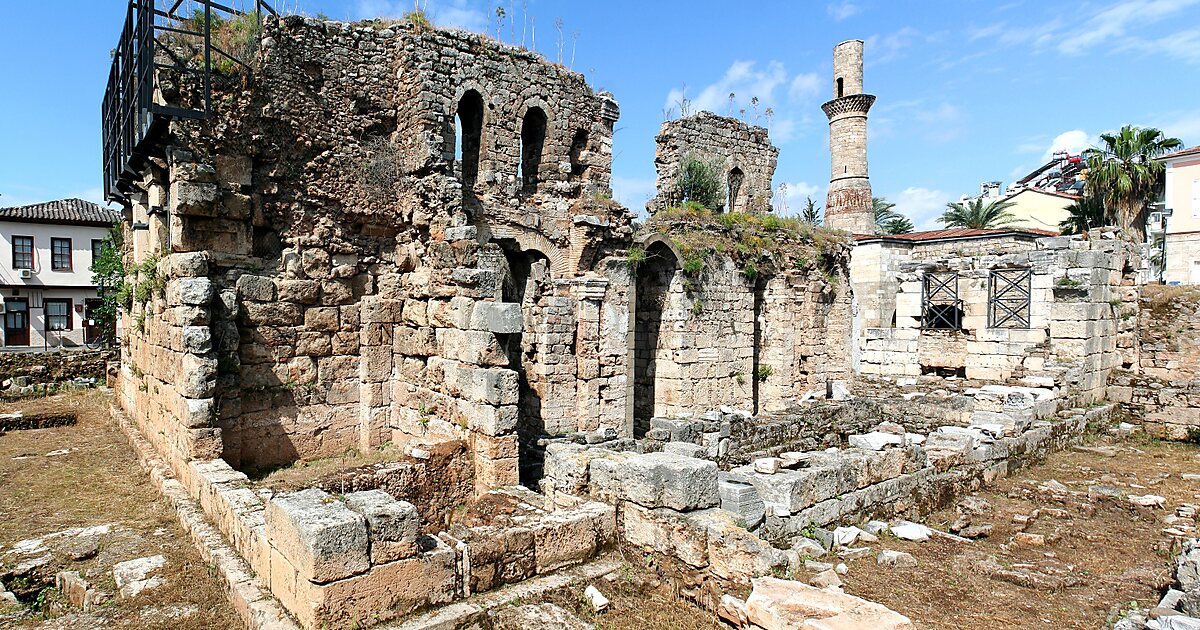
(578, 146)
(469, 141)
(839, 87)
(735, 187)
(533, 140)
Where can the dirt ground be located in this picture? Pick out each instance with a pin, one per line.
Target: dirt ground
(85, 476)
(637, 601)
(1096, 554)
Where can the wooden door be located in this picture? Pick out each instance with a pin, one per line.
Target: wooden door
(16, 322)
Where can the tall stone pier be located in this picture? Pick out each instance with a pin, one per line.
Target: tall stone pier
(848, 205)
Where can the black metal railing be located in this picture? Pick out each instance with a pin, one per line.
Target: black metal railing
(130, 114)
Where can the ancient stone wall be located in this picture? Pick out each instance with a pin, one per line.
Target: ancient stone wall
(1162, 388)
(1075, 333)
(744, 152)
(355, 274)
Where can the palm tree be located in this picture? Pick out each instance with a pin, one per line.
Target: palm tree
(1085, 214)
(884, 213)
(976, 214)
(811, 214)
(1124, 173)
(899, 225)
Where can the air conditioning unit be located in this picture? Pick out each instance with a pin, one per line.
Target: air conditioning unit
(25, 274)
(1154, 224)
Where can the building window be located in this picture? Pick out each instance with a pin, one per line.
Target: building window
(734, 188)
(60, 254)
(22, 252)
(1008, 298)
(58, 314)
(97, 248)
(940, 307)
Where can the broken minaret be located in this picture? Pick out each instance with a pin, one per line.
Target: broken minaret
(848, 205)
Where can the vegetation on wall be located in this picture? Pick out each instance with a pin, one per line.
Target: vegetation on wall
(108, 274)
(760, 245)
(700, 182)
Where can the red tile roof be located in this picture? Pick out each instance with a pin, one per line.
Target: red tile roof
(62, 211)
(936, 235)
(1181, 153)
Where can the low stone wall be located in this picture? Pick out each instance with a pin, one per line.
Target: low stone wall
(28, 373)
(718, 530)
(1167, 409)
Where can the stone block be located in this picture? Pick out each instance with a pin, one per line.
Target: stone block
(664, 480)
(322, 538)
(685, 449)
(194, 291)
(875, 441)
(776, 604)
(257, 288)
(392, 525)
(497, 317)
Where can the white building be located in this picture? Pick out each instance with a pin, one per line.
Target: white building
(46, 253)
(1180, 226)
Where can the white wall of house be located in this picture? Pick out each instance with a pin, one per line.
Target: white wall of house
(48, 326)
(1182, 196)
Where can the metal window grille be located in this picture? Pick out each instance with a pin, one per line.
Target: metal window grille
(1008, 298)
(940, 307)
(129, 112)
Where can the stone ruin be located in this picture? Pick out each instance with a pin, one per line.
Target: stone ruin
(744, 153)
(401, 239)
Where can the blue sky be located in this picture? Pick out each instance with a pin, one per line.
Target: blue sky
(967, 91)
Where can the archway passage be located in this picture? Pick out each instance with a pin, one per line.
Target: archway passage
(652, 291)
(526, 279)
(533, 141)
(470, 138)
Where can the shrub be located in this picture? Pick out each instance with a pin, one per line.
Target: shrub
(700, 182)
(763, 372)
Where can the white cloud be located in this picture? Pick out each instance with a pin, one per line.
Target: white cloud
(1073, 142)
(842, 10)
(804, 86)
(884, 48)
(458, 14)
(747, 80)
(790, 197)
(1116, 21)
(744, 80)
(1114, 28)
(921, 205)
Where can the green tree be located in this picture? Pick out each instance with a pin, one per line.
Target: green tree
(884, 213)
(977, 214)
(899, 225)
(1083, 215)
(108, 273)
(811, 214)
(700, 181)
(1124, 173)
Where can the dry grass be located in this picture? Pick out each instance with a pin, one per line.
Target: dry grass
(1115, 556)
(100, 482)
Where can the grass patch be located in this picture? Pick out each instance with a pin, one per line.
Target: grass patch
(761, 245)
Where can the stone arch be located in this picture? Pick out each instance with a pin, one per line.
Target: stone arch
(528, 240)
(651, 293)
(534, 131)
(471, 114)
(734, 188)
